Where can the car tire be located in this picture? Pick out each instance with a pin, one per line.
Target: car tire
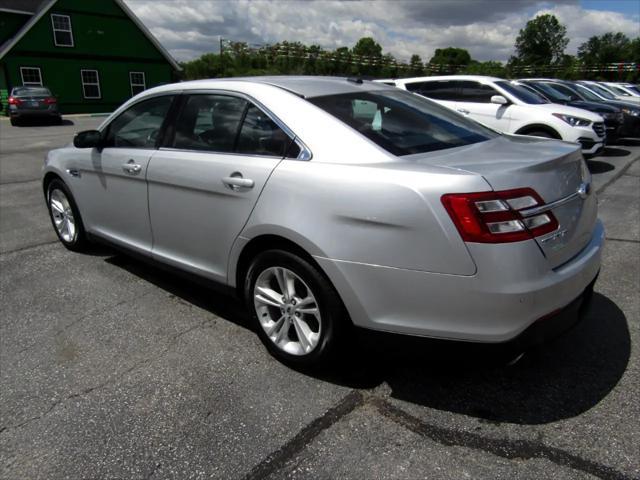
(284, 318)
(540, 133)
(65, 216)
(14, 122)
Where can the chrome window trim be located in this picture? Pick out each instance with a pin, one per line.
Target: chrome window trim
(212, 152)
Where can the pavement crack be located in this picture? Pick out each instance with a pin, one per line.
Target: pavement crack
(172, 341)
(278, 458)
(502, 447)
(626, 240)
(29, 247)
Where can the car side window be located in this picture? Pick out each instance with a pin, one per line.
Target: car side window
(139, 126)
(437, 89)
(209, 123)
(260, 135)
(476, 92)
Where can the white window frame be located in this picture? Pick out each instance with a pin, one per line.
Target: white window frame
(143, 84)
(90, 83)
(70, 31)
(30, 84)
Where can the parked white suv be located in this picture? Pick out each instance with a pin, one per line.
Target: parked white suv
(510, 108)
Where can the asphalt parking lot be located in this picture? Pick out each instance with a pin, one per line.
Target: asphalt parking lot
(113, 369)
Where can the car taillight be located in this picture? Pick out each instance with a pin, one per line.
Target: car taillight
(50, 100)
(14, 101)
(495, 217)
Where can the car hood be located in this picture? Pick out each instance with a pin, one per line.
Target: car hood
(593, 106)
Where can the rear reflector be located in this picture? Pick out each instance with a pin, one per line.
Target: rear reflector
(494, 217)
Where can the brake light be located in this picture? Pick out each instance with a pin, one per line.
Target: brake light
(14, 101)
(495, 217)
(50, 100)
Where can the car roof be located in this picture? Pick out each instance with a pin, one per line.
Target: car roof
(480, 78)
(306, 86)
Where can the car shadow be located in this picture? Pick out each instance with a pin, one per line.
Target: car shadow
(629, 142)
(43, 122)
(597, 166)
(560, 379)
(614, 152)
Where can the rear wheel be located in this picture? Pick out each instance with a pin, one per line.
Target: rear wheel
(297, 313)
(65, 216)
(14, 121)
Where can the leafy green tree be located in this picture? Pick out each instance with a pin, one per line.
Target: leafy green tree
(416, 66)
(491, 68)
(542, 41)
(367, 47)
(451, 56)
(608, 48)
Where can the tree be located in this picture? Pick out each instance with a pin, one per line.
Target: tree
(542, 41)
(451, 56)
(417, 67)
(367, 47)
(491, 68)
(608, 48)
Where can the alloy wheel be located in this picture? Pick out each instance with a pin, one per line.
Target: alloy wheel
(287, 310)
(62, 215)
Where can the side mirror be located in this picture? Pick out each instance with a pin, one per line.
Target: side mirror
(88, 139)
(499, 99)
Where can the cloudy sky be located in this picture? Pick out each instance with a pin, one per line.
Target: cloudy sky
(487, 28)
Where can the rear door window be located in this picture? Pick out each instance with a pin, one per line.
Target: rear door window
(260, 135)
(437, 89)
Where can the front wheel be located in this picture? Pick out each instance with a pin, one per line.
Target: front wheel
(65, 216)
(297, 313)
(540, 133)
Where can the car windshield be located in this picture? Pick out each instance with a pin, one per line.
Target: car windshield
(21, 91)
(617, 90)
(521, 93)
(585, 93)
(633, 88)
(551, 93)
(403, 123)
(598, 89)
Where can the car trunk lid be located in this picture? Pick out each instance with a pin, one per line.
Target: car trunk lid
(555, 170)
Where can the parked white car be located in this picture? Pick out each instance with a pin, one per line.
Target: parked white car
(616, 92)
(623, 90)
(510, 108)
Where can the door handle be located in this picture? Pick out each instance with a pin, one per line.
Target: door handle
(235, 182)
(462, 110)
(132, 167)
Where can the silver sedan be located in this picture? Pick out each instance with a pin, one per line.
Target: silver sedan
(331, 202)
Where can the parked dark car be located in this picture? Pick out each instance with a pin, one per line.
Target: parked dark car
(613, 116)
(631, 111)
(33, 102)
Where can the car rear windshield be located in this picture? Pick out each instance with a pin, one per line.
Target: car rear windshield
(521, 93)
(21, 91)
(403, 123)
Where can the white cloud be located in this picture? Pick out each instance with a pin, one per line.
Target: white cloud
(487, 28)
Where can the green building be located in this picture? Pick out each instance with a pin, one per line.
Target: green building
(92, 54)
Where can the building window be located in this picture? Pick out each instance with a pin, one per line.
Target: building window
(90, 84)
(62, 34)
(31, 76)
(137, 81)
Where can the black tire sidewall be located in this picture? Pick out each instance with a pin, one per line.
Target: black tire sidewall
(331, 310)
(542, 134)
(80, 241)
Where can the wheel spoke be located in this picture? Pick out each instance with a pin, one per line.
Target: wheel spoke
(284, 329)
(276, 325)
(282, 283)
(270, 297)
(71, 228)
(304, 334)
(304, 302)
(308, 311)
(57, 206)
(290, 284)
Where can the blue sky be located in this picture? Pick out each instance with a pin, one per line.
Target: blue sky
(627, 7)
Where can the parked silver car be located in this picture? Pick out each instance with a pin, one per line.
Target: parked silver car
(325, 201)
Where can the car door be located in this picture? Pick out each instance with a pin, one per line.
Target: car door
(206, 178)
(475, 102)
(111, 183)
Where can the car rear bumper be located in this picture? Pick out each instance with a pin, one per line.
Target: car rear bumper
(35, 112)
(512, 290)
